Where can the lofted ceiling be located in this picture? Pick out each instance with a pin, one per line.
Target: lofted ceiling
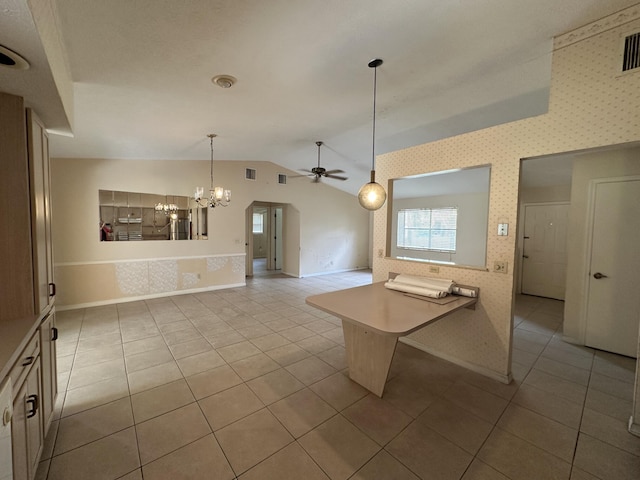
(141, 71)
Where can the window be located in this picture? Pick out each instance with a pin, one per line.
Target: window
(428, 229)
(258, 225)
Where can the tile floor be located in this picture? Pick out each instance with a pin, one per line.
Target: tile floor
(250, 383)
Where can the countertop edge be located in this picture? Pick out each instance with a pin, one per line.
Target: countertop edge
(14, 336)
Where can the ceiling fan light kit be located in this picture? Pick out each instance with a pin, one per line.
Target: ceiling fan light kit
(319, 172)
(372, 195)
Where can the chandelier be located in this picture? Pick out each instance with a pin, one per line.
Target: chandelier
(169, 209)
(218, 196)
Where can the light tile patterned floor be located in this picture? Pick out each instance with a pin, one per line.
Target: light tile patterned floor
(250, 383)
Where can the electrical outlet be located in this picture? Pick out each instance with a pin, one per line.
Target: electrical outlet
(499, 266)
(433, 269)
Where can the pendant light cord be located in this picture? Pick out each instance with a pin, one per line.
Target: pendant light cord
(373, 141)
(211, 137)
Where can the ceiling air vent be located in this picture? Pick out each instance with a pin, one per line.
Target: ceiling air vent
(250, 174)
(282, 179)
(631, 55)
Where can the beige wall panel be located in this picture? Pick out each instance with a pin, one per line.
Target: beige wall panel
(85, 284)
(110, 282)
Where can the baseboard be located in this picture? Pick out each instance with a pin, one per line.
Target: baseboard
(506, 379)
(62, 308)
(634, 428)
(334, 271)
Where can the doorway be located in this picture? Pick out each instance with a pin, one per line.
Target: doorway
(264, 239)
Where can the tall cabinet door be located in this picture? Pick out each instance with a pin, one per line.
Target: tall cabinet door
(38, 152)
(48, 337)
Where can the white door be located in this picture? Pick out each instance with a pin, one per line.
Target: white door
(544, 263)
(613, 304)
(248, 241)
(276, 231)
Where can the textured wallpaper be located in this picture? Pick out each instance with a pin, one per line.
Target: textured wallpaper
(591, 105)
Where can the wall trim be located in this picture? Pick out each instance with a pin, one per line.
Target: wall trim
(506, 379)
(634, 428)
(153, 259)
(595, 28)
(147, 297)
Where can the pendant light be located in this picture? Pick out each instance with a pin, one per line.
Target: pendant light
(218, 196)
(372, 195)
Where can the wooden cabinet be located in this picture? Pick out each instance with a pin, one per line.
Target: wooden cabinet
(16, 294)
(27, 314)
(38, 154)
(48, 335)
(27, 430)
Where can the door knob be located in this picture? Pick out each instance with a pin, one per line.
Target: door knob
(599, 275)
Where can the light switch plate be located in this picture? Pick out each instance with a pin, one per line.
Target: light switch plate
(500, 267)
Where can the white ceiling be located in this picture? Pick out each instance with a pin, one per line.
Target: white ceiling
(142, 72)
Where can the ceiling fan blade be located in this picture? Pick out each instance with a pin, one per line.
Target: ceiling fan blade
(331, 172)
(316, 180)
(305, 170)
(298, 176)
(336, 177)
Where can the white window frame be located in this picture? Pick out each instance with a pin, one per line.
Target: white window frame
(259, 224)
(430, 230)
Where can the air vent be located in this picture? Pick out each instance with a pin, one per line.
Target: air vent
(631, 55)
(282, 179)
(250, 174)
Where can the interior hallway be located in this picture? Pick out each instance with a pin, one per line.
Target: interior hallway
(251, 383)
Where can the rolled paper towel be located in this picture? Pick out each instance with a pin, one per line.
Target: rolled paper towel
(425, 282)
(425, 292)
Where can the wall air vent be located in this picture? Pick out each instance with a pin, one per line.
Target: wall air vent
(250, 174)
(282, 179)
(631, 55)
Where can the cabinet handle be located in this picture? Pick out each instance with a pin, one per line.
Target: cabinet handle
(28, 361)
(54, 334)
(33, 400)
(52, 289)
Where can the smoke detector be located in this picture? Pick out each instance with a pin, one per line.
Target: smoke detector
(10, 59)
(224, 81)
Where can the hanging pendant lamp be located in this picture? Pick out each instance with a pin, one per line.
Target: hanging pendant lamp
(372, 195)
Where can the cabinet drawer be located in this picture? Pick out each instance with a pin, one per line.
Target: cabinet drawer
(28, 357)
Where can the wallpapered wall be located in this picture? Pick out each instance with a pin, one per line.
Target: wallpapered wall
(591, 105)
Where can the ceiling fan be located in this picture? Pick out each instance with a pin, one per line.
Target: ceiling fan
(319, 172)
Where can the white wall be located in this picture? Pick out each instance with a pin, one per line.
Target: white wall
(326, 228)
(471, 232)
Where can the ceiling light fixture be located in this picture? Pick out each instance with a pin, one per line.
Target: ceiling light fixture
(11, 59)
(372, 195)
(218, 196)
(224, 81)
